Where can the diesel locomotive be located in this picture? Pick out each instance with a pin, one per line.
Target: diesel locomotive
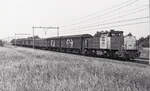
(111, 44)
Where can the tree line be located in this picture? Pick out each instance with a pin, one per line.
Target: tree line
(144, 41)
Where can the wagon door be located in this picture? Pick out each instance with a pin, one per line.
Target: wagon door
(85, 43)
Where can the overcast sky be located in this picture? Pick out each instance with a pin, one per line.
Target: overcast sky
(72, 16)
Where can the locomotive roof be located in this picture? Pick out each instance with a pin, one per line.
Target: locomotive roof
(69, 36)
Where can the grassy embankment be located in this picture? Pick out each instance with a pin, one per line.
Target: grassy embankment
(35, 70)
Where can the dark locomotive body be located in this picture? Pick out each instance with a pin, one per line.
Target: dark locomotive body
(108, 44)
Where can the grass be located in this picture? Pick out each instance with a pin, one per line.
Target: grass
(23, 69)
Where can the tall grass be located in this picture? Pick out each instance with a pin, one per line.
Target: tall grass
(33, 70)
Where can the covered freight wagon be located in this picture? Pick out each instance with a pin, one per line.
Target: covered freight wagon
(74, 42)
(53, 43)
(28, 42)
(41, 43)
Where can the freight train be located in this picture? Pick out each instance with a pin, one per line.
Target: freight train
(111, 44)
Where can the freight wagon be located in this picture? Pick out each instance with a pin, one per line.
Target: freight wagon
(53, 43)
(74, 43)
(40, 43)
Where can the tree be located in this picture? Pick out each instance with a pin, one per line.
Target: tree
(144, 42)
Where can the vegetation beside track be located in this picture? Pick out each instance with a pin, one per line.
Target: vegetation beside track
(24, 69)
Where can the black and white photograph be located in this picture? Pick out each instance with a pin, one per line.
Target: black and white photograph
(75, 45)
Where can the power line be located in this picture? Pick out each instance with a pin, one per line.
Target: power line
(128, 24)
(104, 9)
(99, 11)
(106, 12)
(120, 21)
(126, 14)
(126, 20)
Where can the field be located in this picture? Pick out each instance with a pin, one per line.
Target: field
(24, 69)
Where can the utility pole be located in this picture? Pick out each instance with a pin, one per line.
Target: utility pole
(149, 23)
(57, 31)
(44, 28)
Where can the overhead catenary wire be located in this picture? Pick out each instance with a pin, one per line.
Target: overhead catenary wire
(113, 22)
(135, 11)
(121, 16)
(110, 27)
(97, 12)
(89, 15)
(128, 4)
(97, 24)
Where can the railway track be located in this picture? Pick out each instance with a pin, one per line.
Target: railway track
(142, 61)
(137, 60)
(114, 60)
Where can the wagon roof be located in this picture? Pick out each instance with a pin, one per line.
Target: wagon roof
(53, 38)
(81, 35)
(71, 36)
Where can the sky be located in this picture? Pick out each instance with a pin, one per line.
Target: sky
(72, 17)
